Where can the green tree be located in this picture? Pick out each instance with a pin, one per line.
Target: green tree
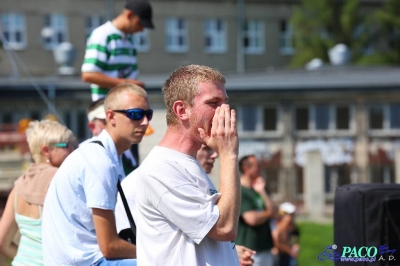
(318, 25)
(387, 20)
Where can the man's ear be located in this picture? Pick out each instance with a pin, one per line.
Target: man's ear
(110, 117)
(130, 14)
(91, 126)
(180, 110)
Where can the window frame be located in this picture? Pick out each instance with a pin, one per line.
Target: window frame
(174, 32)
(285, 38)
(14, 28)
(386, 129)
(332, 130)
(96, 21)
(214, 34)
(250, 34)
(259, 127)
(62, 29)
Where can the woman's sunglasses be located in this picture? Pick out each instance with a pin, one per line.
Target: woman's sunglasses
(66, 145)
(137, 113)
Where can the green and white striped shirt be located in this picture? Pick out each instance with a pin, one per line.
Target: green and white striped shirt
(112, 53)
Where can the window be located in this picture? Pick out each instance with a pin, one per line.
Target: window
(376, 117)
(270, 118)
(394, 113)
(342, 118)
(322, 117)
(14, 30)
(286, 38)
(93, 22)
(214, 36)
(249, 118)
(176, 31)
(253, 35)
(57, 33)
(141, 41)
(302, 118)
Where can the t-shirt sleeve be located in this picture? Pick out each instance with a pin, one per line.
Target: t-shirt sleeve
(190, 209)
(100, 185)
(97, 53)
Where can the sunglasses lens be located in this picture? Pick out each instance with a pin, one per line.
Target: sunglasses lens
(138, 114)
(149, 114)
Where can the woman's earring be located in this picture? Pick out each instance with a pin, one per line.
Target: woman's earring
(47, 160)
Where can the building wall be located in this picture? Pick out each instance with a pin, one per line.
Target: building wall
(40, 61)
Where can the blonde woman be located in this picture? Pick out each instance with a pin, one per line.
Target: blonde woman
(49, 143)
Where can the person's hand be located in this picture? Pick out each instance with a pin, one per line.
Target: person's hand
(244, 255)
(294, 252)
(136, 82)
(223, 137)
(259, 184)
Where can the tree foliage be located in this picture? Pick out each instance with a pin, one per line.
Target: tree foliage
(318, 25)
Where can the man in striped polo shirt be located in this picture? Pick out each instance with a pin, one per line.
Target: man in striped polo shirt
(110, 57)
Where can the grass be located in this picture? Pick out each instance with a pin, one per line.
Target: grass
(313, 238)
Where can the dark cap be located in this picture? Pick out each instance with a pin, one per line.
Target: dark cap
(143, 9)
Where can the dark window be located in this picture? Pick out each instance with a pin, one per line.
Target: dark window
(246, 42)
(18, 36)
(47, 20)
(270, 118)
(394, 116)
(302, 118)
(181, 40)
(376, 117)
(283, 26)
(322, 117)
(35, 115)
(219, 25)
(88, 22)
(67, 119)
(342, 118)
(382, 174)
(180, 24)
(6, 35)
(7, 118)
(249, 118)
(82, 125)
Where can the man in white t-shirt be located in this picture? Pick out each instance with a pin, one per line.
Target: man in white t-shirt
(181, 218)
(78, 215)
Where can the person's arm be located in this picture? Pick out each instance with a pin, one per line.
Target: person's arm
(283, 247)
(111, 245)
(105, 81)
(255, 218)
(8, 229)
(224, 141)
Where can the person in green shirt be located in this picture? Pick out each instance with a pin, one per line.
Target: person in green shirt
(256, 210)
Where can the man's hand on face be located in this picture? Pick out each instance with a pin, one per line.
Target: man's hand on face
(223, 138)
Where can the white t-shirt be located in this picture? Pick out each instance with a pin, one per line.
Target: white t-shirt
(173, 202)
(87, 179)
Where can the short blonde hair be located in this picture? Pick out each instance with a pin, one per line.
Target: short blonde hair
(111, 100)
(44, 133)
(183, 85)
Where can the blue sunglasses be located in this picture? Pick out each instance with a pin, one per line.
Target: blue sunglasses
(136, 113)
